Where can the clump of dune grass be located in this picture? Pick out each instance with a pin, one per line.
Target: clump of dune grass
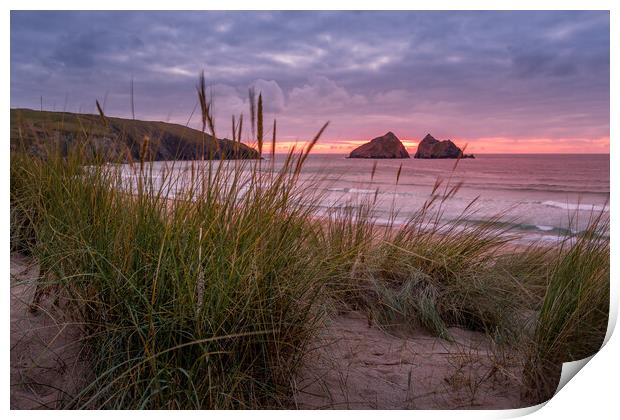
(348, 235)
(443, 277)
(529, 266)
(428, 272)
(205, 299)
(573, 318)
(22, 218)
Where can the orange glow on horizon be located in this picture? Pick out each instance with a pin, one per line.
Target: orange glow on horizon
(475, 146)
(328, 146)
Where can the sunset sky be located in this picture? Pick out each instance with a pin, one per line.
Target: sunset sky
(523, 82)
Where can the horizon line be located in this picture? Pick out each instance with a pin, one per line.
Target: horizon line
(341, 142)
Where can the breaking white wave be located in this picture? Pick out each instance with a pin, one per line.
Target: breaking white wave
(352, 190)
(576, 206)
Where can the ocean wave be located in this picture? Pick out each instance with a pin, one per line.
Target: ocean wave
(522, 227)
(534, 238)
(499, 186)
(530, 188)
(353, 190)
(575, 206)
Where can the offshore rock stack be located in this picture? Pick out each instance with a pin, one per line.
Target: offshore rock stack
(431, 148)
(387, 146)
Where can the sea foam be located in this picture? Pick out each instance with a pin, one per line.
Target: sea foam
(576, 206)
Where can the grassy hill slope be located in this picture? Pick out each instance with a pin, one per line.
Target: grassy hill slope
(118, 138)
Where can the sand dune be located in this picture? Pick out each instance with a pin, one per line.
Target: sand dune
(352, 365)
(357, 366)
(46, 365)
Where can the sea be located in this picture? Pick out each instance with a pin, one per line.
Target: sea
(539, 197)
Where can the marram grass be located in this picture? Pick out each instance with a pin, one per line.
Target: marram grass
(573, 318)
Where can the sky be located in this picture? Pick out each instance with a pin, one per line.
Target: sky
(498, 82)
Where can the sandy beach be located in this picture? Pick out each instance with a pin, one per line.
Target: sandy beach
(360, 366)
(47, 367)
